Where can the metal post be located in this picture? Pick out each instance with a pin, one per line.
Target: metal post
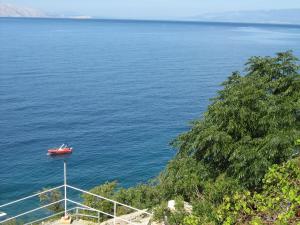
(98, 217)
(65, 185)
(115, 212)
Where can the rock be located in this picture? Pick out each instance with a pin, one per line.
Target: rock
(187, 206)
(136, 217)
(171, 205)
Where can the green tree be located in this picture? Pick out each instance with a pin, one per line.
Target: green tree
(106, 190)
(142, 196)
(184, 177)
(252, 123)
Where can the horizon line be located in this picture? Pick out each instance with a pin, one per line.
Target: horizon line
(194, 21)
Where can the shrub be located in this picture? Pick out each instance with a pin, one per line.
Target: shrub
(278, 202)
(50, 197)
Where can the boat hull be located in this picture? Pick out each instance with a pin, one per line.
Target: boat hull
(60, 151)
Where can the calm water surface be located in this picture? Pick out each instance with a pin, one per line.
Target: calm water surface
(117, 91)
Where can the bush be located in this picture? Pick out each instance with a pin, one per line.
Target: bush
(176, 217)
(184, 177)
(143, 196)
(50, 197)
(191, 220)
(106, 190)
(278, 203)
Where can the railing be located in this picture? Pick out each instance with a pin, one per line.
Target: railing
(76, 214)
(79, 206)
(33, 210)
(49, 217)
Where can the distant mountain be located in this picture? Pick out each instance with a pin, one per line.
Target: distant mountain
(9, 10)
(285, 16)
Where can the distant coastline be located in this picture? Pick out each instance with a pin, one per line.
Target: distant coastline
(289, 17)
(158, 21)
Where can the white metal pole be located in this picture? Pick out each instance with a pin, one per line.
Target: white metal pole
(115, 212)
(65, 184)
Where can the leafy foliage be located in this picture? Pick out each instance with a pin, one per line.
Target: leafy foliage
(278, 203)
(174, 217)
(10, 222)
(51, 197)
(142, 196)
(191, 220)
(252, 123)
(183, 177)
(106, 190)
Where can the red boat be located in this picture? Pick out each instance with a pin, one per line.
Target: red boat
(64, 149)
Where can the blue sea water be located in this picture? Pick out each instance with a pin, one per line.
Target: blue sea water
(117, 91)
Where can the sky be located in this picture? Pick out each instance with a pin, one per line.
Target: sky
(151, 9)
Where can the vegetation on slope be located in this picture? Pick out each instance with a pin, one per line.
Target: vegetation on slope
(278, 202)
(251, 124)
(231, 165)
(236, 165)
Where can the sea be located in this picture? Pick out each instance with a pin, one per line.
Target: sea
(117, 91)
